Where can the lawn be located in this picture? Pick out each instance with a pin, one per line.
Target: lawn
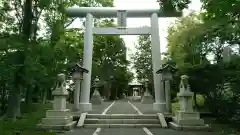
(26, 125)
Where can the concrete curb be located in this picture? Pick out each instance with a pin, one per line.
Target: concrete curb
(162, 120)
(82, 119)
(175, 126)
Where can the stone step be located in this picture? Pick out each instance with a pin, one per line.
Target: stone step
(122, 116)
(121, 121)
(121, 125)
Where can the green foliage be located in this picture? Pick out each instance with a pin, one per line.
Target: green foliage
(36, 46)
(185, 42)
(193, 39)
(210, 79)
(142, 59)
(31, 116)
(173, 5)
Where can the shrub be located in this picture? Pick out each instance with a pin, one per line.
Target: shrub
(210, 81)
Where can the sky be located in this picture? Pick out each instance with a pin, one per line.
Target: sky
(164, 23)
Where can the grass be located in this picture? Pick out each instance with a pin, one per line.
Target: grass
(26, 125)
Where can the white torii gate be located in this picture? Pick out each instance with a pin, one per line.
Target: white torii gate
(121, 29)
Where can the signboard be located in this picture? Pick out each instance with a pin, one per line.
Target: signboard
(122, 18)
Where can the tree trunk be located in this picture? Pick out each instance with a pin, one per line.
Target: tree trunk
(195, 100)
(117, 95)
(14, 101)
(28, 96)
(109, 90)
(15, 97)
(3, 99)
(44, 96)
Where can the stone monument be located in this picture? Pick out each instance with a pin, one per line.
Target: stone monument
(59, 117)
(227, 54)
(147, 97)
(186, 117)
(96, 97)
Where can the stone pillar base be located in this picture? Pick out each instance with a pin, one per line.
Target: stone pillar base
(67, 127)
(188, 121)
(147, 100)
(176, 126)
(85, 107)
(159, 107)
(96, 100)
(57, 119)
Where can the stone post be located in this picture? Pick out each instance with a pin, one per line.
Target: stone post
(59, 117)
(186, 117)
(77, 84)
(227, 52)
(168, 96)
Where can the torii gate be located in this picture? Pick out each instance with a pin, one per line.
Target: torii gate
(121, 29)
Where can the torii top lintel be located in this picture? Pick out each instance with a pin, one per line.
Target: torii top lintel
(111, 12)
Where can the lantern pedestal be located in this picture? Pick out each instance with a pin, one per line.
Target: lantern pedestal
(147, 98)
(96, 98)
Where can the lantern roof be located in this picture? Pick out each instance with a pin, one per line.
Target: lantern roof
(78, 68)
(166, 68)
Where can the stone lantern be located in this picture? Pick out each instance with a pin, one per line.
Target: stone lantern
(59, 118)
(77, 75)
(96, 97)
(186, 117)
(147, 97)
(167, 72)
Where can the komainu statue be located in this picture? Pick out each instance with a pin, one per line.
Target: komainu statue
(184, 86)
(61, 81)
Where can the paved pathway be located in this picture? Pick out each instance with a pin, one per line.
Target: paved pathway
(123, 107)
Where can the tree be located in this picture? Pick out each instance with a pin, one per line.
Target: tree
(185, 44)
(173, 5)
(142, 59)
(35, 47)
(109, 61)
(186, 47)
